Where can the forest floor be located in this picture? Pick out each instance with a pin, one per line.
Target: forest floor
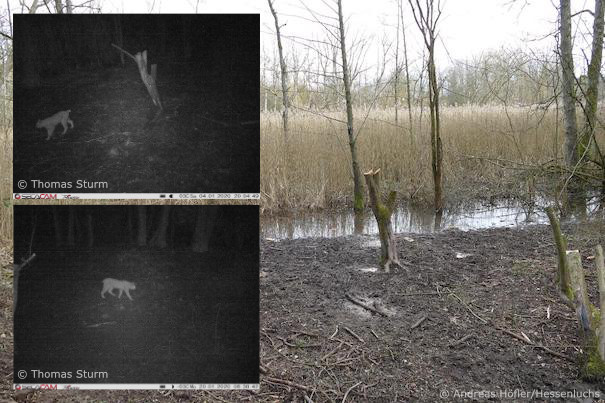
(472, 312)
(195, 145)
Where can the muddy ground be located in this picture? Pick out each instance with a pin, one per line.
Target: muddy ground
(472, 311)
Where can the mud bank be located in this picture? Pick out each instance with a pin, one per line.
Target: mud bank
(472, 311)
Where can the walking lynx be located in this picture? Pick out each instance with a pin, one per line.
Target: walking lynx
(110, 284)
(51, 123)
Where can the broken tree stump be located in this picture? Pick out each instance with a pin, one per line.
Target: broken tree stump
(589, 316)
(148, 79)
(383, 212)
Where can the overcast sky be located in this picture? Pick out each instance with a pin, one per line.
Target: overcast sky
(468, 27)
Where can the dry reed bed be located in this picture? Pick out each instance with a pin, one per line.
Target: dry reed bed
(313, 169)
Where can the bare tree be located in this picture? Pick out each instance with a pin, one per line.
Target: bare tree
(426, 18)
(568, 93)
(397, 70)
(407, 78)
(587, 140)
(346, 79)
(284, 71)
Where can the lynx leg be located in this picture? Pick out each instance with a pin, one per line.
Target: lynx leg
(128, 295)
(71, 122)
(120, 294)
(50, 133)
(64, 124)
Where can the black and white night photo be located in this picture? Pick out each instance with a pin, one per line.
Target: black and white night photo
(136, 295)
(136, 103)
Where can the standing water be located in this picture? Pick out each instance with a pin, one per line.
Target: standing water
(406, 219)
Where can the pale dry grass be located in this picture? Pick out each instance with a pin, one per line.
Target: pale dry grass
(314, 169)
(6, 182)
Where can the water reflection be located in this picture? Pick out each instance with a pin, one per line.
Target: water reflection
(405, 219)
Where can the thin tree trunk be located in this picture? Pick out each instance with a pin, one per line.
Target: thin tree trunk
(284, 72)
(407, 83)
(396, 89)
(568, 93)
(436, 147)
(426, 20)
(592, 92)
(357, 186)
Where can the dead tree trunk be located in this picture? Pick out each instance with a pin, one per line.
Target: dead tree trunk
(284, 72)
(383, 211)
(346, 78)
(148, 79)
(407, 83)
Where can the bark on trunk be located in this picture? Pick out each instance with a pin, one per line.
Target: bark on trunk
(568, 92)
(357, 186)
(407, 85)
(284, 72)
(594, 69)
(426, 19)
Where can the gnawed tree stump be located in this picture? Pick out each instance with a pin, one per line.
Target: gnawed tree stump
(590, 319)
(383, 212)
(148, 79)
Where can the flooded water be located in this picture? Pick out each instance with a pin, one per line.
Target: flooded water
(405, 220)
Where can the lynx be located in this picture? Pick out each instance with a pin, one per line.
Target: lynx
(51, 123)
(109, 284)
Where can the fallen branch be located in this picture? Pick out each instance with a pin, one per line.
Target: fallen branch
(352, 333)
(418, 323)
(362, 304)
(349, 391)
(288, 383)
(540, 346)
(462, 340)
